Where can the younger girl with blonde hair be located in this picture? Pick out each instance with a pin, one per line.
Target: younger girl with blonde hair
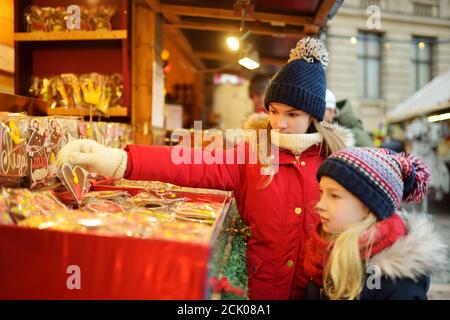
(362, 248)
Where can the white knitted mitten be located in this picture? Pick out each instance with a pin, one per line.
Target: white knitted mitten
(94, 157)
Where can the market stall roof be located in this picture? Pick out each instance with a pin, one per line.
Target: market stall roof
(201, 27)
(434, 96)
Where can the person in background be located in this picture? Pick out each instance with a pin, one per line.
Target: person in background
(346, 117)
(256, 92)
(395, 139)
(330, 111)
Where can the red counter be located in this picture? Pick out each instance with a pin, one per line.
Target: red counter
(34, 265)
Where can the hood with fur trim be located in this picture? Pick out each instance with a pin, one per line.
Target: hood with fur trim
(260, 120)
(421, 252)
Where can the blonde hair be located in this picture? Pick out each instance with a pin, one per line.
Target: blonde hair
(344, 272)
(331, 142)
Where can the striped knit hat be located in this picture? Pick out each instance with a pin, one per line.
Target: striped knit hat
(380, 178)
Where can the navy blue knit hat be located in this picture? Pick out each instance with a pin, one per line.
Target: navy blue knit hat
(301, 83)
(380, 178)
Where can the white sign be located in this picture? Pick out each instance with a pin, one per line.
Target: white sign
(6, 58)
(174, 116)
(158, 96)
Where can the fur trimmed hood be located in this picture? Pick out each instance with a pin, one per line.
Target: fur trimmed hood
(260, 120)
(419, 253)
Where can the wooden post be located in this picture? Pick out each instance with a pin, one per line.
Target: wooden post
(146, 54)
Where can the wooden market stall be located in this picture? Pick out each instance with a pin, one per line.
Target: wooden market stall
(77, 62)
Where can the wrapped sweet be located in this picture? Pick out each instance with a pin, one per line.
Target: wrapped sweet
(104, 206)
(51, 19)
(56, 19)
(5, 217)
(85, 16)
(196, 212)
(37, 151)
(101, 17)
(35, 19)
(23, 204)
(14, 168)
(115, 89)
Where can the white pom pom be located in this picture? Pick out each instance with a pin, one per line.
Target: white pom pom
(310, 49)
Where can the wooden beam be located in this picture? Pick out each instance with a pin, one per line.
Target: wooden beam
(177, 37)
(311, 29)
(142, 40)
(155, 5)
(227, 27)
(219, 56)
(229, 15)
(322, 12)
(172, 17)
(184, 47)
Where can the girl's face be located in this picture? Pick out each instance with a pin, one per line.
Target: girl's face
(338, 208)
(288, 119)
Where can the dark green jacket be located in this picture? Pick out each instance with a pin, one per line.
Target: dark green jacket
(347, 118)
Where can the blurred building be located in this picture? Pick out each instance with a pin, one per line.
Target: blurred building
(381, 52)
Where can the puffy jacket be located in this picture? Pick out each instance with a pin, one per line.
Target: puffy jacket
(348, 119)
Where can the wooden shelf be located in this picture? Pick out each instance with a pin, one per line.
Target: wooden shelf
(71, 35)
(112, 112)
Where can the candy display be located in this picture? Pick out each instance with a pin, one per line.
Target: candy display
(13, 165)
(50, 19)
(29, 145)
(101, 17)
(85, 90)
(167, 187)
(147, 214)
(36, 150)
(84, 207)
(198, 212)
(104, 218)
(5, 217)
(104, 206)
(105, 194)
(116, 135)
(22, 204)
(46, 136)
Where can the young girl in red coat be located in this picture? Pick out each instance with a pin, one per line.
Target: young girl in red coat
(362, 248)
(279, 207)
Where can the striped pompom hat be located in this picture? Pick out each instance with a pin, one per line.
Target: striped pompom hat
(380, 178)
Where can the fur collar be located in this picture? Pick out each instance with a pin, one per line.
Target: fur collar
(387, 232)
(413, 255)
(419, 253)
(260, 120)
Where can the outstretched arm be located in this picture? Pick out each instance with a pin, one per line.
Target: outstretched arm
(184, 166)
